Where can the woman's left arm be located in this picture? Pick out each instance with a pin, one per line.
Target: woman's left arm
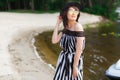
(78, 52)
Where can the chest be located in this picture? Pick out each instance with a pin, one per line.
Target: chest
(68, 40)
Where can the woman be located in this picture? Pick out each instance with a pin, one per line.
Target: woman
(72, 42)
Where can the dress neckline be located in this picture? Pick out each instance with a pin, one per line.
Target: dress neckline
(74, 33)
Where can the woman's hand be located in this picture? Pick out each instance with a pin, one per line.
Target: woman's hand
(75, 72)
(59, 20)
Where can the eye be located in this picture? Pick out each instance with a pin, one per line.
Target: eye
(71, 11)
(76, 12)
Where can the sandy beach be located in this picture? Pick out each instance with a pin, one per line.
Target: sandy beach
(19, 59)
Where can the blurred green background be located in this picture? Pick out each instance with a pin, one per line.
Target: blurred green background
(105, 8)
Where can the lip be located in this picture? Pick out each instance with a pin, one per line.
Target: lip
(73, 16)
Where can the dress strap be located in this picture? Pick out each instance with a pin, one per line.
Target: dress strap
(74, 33)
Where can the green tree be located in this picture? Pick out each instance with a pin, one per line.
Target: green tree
(2, 4)
(100, 7)
(8, 4)
(32, 6)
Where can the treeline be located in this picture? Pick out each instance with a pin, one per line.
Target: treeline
(43, 5)
(99, 7)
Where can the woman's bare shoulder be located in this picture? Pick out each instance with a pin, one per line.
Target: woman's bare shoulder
(79, 27)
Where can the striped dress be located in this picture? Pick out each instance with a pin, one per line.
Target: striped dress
(66, 57)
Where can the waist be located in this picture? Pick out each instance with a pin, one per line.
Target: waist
(68, 51)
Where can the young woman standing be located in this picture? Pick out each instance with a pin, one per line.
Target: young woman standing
(72, 42)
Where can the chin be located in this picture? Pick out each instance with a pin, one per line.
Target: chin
(73, 19)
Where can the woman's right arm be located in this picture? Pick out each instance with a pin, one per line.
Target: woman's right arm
(56, 37)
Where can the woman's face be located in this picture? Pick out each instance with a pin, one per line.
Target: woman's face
(72, 14)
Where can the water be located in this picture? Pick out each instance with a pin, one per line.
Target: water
(102, 50)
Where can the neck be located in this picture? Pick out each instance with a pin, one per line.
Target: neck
(71, 23)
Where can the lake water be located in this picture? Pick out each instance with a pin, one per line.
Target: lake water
(102, 50)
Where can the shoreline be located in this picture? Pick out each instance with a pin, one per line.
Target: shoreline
(30, 64)
(17, 32)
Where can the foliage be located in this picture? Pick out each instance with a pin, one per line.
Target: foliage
(101, 7)
(109, 29)
(2, 3)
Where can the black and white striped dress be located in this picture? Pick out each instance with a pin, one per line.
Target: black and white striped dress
(66, 57)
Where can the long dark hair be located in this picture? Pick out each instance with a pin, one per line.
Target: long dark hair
(64, 11)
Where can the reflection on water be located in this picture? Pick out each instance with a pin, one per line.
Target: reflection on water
(101, 51)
